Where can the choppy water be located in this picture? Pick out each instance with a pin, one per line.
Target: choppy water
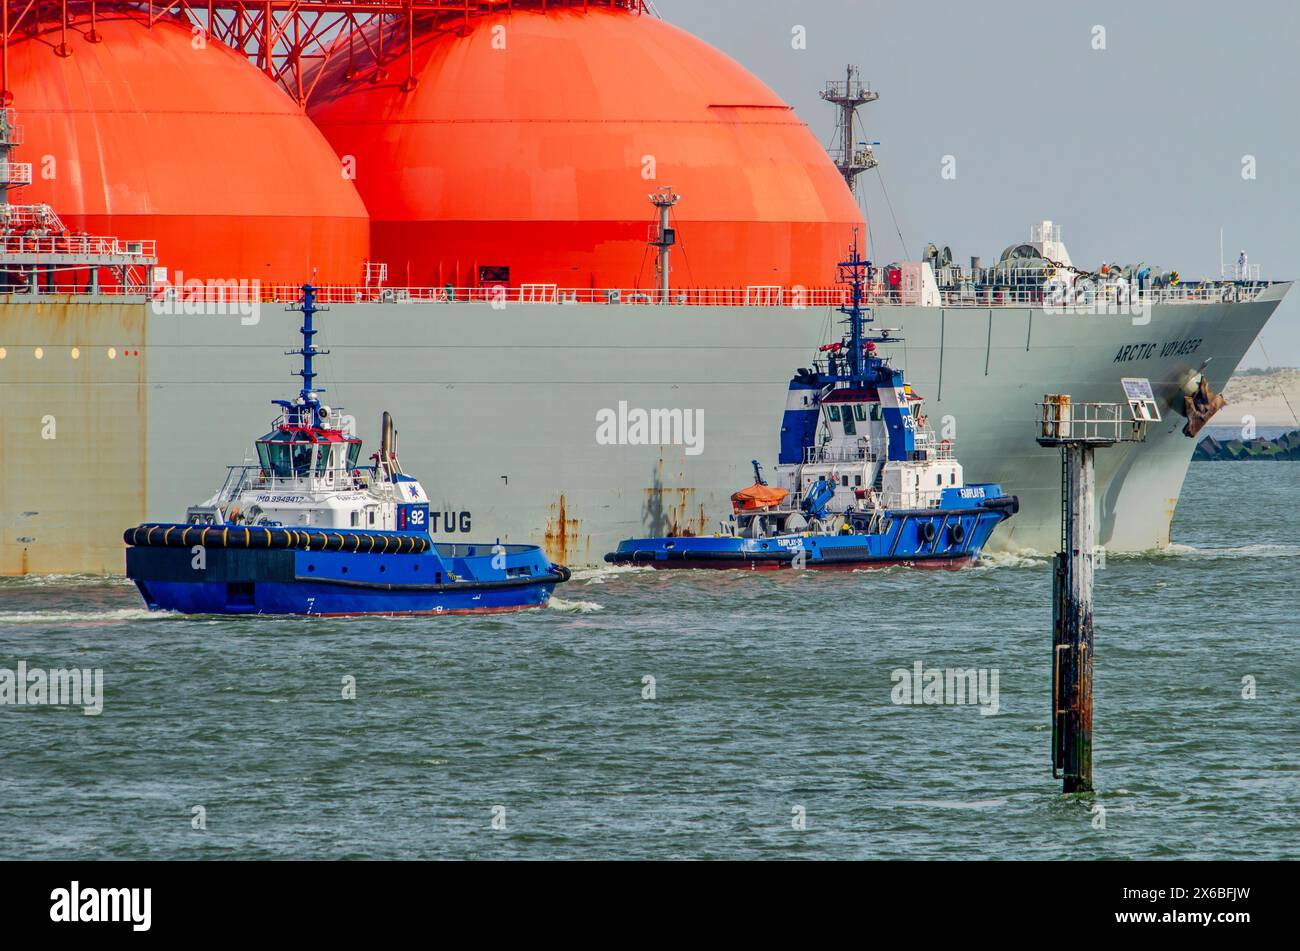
(772, 692)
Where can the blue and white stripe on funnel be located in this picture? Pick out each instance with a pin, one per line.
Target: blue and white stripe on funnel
(898, 417)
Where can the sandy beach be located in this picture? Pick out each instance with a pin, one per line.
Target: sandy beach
(1264, 396)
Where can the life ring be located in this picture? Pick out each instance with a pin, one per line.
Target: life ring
(927, 531)
(958, 533)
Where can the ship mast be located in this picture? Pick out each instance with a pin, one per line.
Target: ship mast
(306, 410)
(854, 157)
(853, 273)
(663, 236)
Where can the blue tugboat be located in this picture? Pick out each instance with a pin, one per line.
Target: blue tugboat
(307, 531)
(862, 482)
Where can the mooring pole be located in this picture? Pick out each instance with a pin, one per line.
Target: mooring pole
(1072, 634)
(1078, 429)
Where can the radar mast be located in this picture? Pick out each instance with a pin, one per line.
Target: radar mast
(852, 157)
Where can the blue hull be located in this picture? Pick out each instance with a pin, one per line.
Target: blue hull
(446, 579)
(954, 540)
(324, 600)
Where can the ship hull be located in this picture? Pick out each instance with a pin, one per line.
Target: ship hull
(525, 420)
(954, 540)
(336, 583)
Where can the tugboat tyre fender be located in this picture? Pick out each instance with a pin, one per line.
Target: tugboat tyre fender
(927, 531)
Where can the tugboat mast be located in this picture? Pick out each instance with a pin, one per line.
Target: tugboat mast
(853, 273)
(308, 405)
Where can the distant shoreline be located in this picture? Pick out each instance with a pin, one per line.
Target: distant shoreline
(1259, 396)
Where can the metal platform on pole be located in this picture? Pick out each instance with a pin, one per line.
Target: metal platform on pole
(1078, 430)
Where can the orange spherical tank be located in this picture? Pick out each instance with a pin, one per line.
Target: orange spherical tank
(534, 142)
(143, 135)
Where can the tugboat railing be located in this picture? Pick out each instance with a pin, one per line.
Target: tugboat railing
(932, 446)
(814, 454)
(252, 478)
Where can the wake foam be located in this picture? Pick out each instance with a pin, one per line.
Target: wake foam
(573, 607)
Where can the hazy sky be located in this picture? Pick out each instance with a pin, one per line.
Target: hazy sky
(1135, 150)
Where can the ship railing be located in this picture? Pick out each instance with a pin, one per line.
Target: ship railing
(538, 295)
(816, 454)
(340, 421)
(918, 499)
(876, 293)
(15, 174)
(73, 244)
(934, 447)
(80, 289)
(1094, 298)
(253, 478)
(1064, 421)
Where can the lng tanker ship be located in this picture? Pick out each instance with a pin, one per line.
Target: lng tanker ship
(605, 353)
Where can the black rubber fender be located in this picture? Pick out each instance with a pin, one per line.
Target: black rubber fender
(264, 537)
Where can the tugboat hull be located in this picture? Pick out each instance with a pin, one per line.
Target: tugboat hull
(953, 540)
(446, 579)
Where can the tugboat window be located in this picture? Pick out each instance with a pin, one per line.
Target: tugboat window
(302, 458)
(834, 413)
(850, 427)
(323, 459)
(278, 456)
(860, 412)
(354, 451)
(875, 412)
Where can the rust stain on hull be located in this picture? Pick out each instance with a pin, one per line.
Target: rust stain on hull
(672, 511)
(562, 540)
(72, 434)
(675, 512)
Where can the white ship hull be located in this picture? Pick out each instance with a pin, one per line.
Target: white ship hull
(498, 410)
(509, 401)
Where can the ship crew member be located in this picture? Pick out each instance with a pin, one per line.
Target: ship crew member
(1241, 265)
